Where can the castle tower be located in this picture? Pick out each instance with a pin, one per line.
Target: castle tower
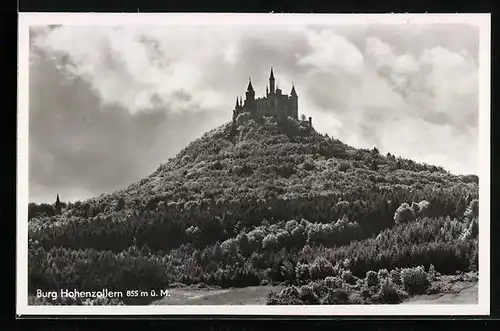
(250, 97)
(271, 82)
(294, 105)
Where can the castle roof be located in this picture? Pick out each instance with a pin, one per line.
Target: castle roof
(293, 93)
(250, 87)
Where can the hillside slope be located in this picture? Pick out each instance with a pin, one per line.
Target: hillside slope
(240, 204)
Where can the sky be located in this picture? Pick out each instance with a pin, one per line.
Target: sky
(109, 104)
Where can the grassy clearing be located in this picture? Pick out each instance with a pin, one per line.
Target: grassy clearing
(456, 289)
(252, 295)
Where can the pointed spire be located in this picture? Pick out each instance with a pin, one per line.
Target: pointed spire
(250, 87)
(293, 93)
(272, 73)
(57, 199)
(237, 102)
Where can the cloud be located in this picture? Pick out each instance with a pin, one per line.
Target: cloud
(330, 51)
(395, 95)
(437, 84)
(109, 104)
(81, 148)
(129, 66)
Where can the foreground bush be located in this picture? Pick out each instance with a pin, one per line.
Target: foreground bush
(415, 280)
(389, 293)
(375, 288)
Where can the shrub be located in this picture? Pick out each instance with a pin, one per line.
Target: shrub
(348, 277)
(307, 295)
(320, 268)
(270, 242)
(388, 293)
(423, 208)
(336, 297)
(365, 293)
(308, 166)
(121, 204)
(343, 166)
(395, 276)
(333, 282)
(415, 280)
(432, 272)
(360, 282)
(382, 274)
(302, 271)
(415, 209)
(371, 278)
(403, 214)
(320, 289)
(288, 296)
(273, 298)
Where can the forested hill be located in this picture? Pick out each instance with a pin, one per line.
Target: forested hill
(256, 202)
(273, 171)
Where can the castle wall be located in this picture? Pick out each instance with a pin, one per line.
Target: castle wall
(273, 104)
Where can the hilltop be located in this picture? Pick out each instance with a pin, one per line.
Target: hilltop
(254, 201)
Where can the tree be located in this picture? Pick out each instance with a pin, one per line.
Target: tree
(403, 214)
(244, 246)
(423, 210)
(121, 204)
(472, 210)
(57, 205)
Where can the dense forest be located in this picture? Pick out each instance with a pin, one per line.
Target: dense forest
(260, 202)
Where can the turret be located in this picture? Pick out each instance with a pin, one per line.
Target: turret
(271, 82)
(250, 96)
(294, 103)
(250, 91)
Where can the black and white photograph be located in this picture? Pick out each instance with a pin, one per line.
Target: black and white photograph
(176, 164)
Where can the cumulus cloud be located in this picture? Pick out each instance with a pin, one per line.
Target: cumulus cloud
(330, 51)
(109, 104)
(396, 96)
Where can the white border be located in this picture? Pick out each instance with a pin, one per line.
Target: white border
(30, 19)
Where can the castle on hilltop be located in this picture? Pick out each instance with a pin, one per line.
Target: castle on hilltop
(275, 103)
